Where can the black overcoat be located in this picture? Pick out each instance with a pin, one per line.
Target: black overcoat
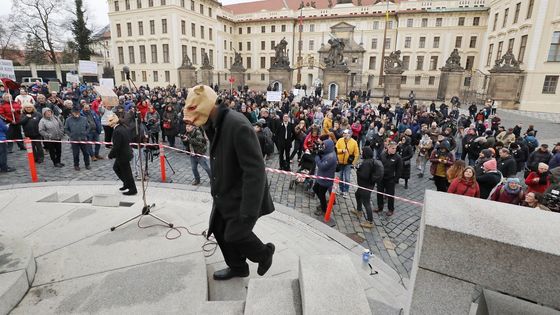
(239, 184)
(121, 144)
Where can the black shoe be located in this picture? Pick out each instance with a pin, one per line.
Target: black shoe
(22, 149)
(61, 164)
(405, 186)
(57, 165)
(319, 213)
(265, 265)
(228, 273)
(130, 193)
(420, 175)
(123, 188)
(88, 167)
(195, 182)
(77, 168)
(8, 170)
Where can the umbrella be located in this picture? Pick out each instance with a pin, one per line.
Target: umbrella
(10, 85)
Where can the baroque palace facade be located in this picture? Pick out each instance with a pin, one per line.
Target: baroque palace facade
(153, 36)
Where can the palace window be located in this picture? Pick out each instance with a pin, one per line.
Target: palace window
(550, 84)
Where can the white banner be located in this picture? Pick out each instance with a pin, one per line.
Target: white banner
(72, 78)
(7, 69)
(107, 82)
(87, 67)
(273, 96)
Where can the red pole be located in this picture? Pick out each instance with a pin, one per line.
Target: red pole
(162, 162)
(31, 160)
(331, 200)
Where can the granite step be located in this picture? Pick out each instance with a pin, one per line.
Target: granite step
(330, 285)
(273, 297)
(221, 307)
(17, 271)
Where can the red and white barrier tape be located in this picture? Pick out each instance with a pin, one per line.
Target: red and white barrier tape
(271, 170)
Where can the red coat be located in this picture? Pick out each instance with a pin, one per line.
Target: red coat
(465, 188)
(143, 109)
(536, 187)
(6, 111)
(95, 106)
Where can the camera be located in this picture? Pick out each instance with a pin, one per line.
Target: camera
(552, 200)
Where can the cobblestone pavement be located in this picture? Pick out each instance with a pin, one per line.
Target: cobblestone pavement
(393, 239)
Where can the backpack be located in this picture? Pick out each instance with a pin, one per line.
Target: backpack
(371, 171)
(268, 142)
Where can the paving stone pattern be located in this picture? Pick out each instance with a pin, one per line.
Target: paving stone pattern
(393, 239)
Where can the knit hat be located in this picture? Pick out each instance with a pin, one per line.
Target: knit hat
(509, 189)
(490, 165)
(46, 109)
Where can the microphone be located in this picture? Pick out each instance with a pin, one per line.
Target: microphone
(126, 71)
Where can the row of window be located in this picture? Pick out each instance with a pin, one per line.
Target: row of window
(152, 25)
(433, 66)
(435, 43)
(511, 42)
(248, 29)
(439, 22)
(530, 5)
(139, 5)
(144, 74)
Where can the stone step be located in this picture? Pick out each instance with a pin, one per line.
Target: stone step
(380, 308)
(330, 285)
(17, 271)
(221, 308)
(231, 290)
(273, 297)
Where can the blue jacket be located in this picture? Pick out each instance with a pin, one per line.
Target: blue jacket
(554, 161)
(3, 129)
(96, 119)
(326, 164)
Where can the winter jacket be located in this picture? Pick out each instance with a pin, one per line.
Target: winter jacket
(51, 128)
(76, 128)
(171, 117)
(370, 171)
(153, 122)
(93, 120)
(3, 130)
(506, 138)
(351, 148)
(502, 195)
(31, 124)
(487, 182)
(537, 157)
(406, 152)
(539, 186)
(196, 141)
(554, 161)
(392, 166)
(437, 157)
(6, 112)
(465, 188)
(326, 164)
(507, 166)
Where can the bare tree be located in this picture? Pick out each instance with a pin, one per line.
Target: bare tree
(44, 20)
(8, 35)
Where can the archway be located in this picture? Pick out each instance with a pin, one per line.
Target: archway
(277, 86)
(333, 91)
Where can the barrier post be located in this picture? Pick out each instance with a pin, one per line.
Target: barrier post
(331, 199)
(162, 162)
(31, 160)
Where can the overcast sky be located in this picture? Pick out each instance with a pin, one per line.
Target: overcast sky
(96, 10)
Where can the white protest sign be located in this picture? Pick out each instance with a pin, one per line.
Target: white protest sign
(86, 67)
(72, 78)
(108, 82)
(273, 96)
(7, 69)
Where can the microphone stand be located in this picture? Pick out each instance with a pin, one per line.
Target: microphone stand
(146, 209)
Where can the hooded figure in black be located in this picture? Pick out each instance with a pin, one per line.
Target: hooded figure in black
(369, 172)
(122, 153)
(392, 169)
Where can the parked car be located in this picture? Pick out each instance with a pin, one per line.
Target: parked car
(29, 81)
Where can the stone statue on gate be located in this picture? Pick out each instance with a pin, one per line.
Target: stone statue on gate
(453, 63)
(393, 63)
(335, 58)
(237, 62)
(187, 63)
(281, 59)
(507, 63)
(206, 61)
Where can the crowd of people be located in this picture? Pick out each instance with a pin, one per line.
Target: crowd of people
(471, 154)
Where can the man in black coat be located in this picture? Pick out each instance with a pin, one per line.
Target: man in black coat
(284, 137)
(392, 168)
(122, 153)
(506, 164)
(239, 185)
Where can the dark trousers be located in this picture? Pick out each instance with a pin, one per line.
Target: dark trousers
(154, 137)
(441, 183)
(284, 154)
(203, 162)
(386, 186)
(3, 157)
(38, 153)
(14, 133)
(124, 173)
(363, 198)
(76, 148)
(55, 151)
(321, 192)
(108, 132)
(171, 141)
(237, 252)
(298, 149)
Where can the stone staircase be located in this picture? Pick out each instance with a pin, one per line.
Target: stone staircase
(326, 284)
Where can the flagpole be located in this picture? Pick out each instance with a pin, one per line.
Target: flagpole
(384, 41)
(300, 44)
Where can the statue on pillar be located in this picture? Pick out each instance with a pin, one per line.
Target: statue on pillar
(281, 59)
(453, 63)
(335, 57)
(393, 63)
(206, 61)
(507, 63)
(237, 62)
(187, 63)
